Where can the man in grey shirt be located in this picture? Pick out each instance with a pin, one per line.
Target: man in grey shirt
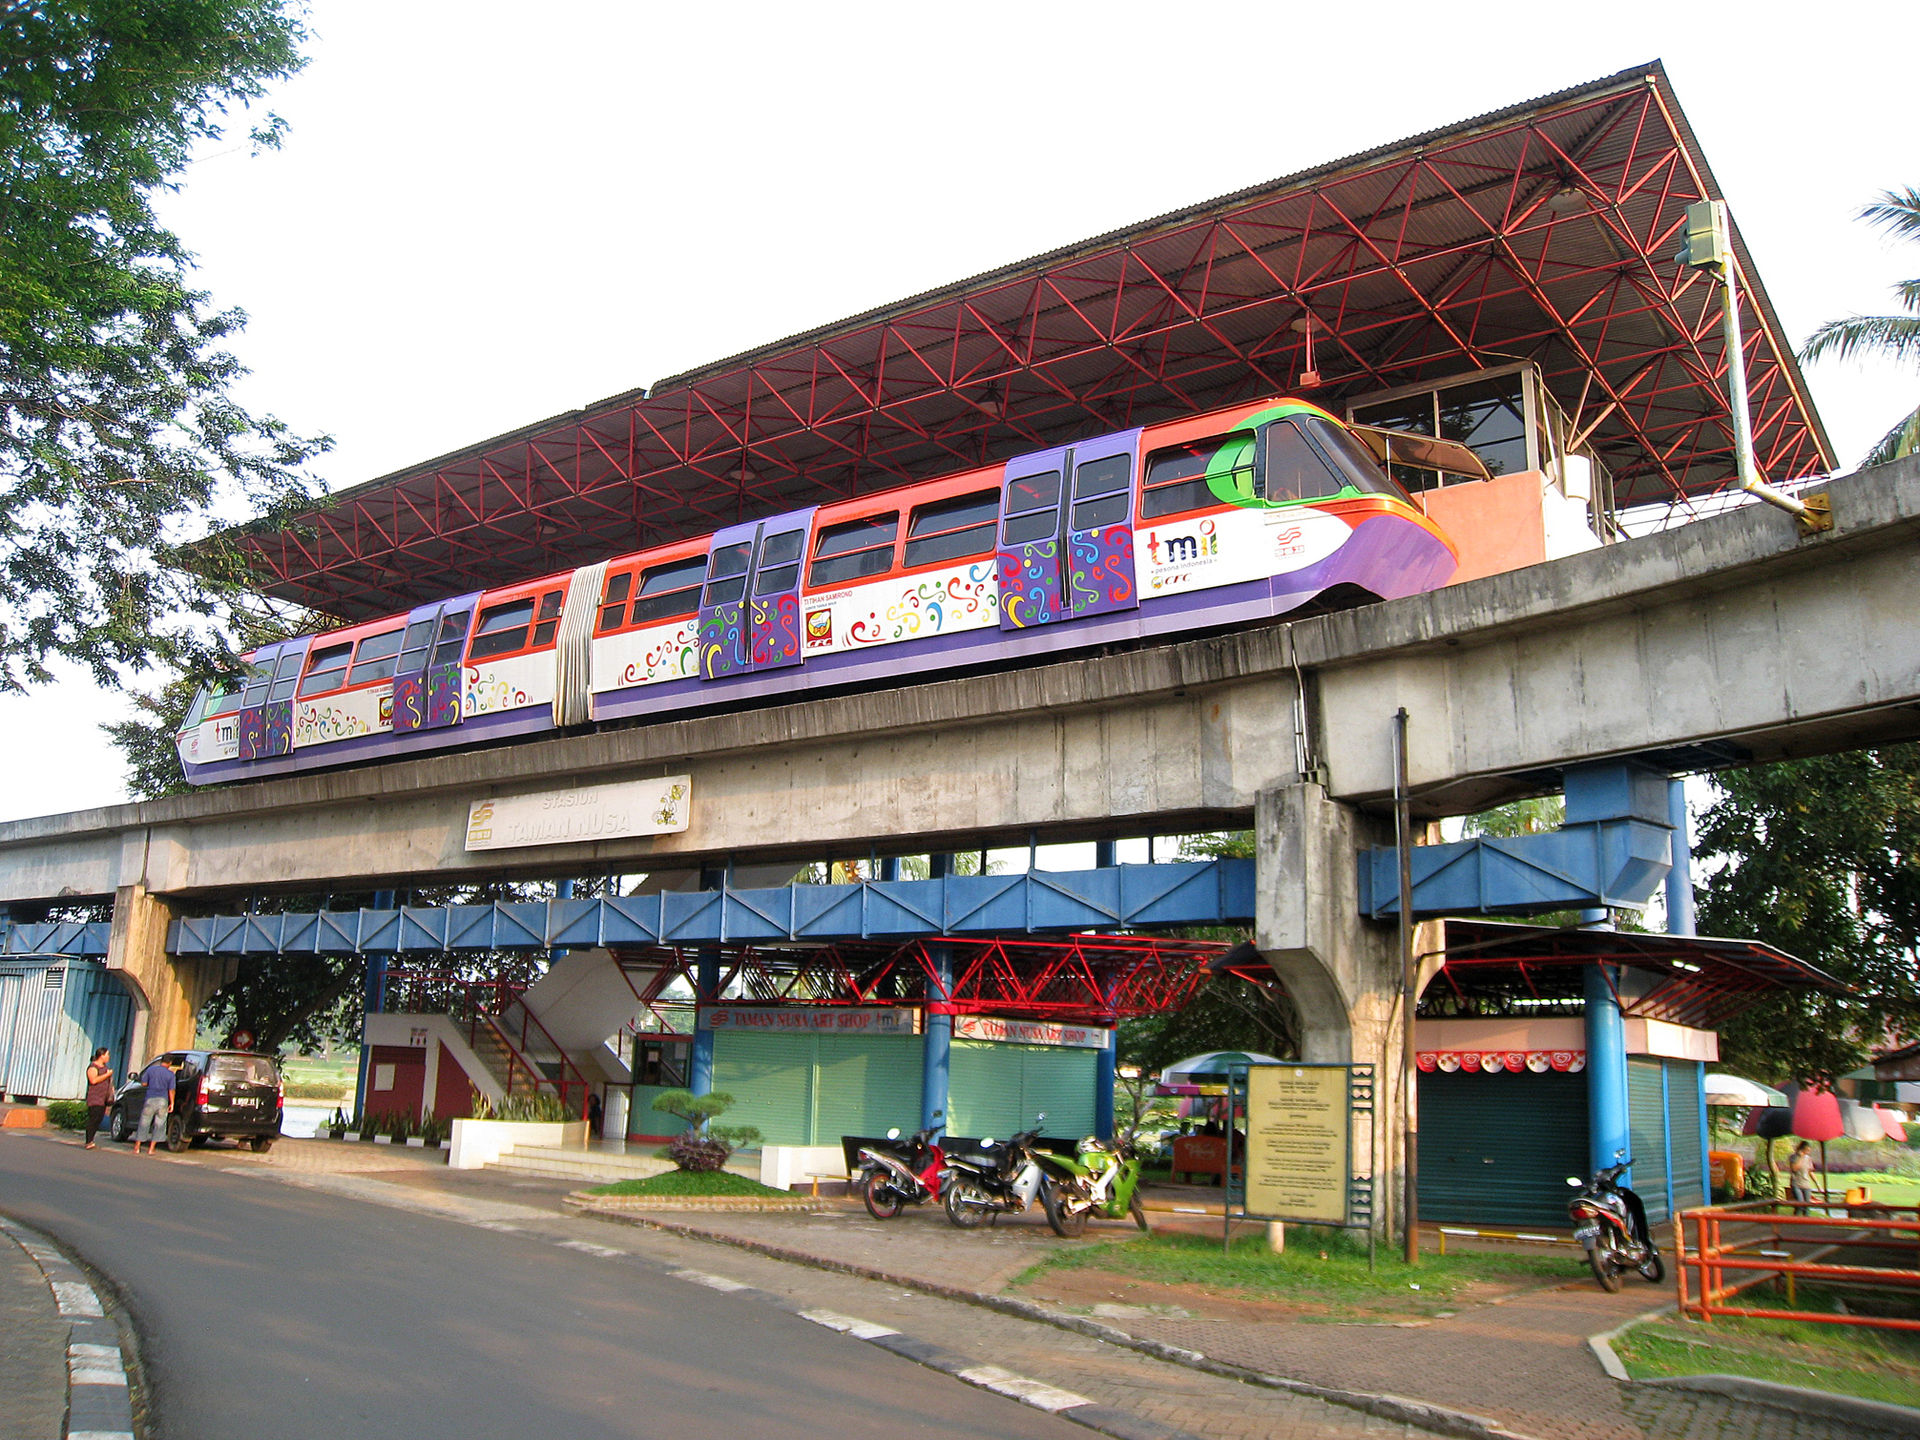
(159, 1078)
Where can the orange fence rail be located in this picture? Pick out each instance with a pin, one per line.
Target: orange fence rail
(1724, 1250)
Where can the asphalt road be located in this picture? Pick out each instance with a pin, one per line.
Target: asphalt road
(270, 1311)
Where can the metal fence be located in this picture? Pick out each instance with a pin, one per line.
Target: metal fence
(1873, 1251)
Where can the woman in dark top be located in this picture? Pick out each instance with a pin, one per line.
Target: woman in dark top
(99, 1091)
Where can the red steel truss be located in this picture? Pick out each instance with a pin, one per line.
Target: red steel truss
(1544, 232)
(1090, 979)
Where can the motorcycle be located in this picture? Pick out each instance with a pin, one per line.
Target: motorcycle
(900, 1173)
(1102, 1177)
(999, 1179)
(1611, 1223)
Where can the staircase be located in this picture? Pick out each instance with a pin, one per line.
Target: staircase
(588, 1167)
(513, 1077)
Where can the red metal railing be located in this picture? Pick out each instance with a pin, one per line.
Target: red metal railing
(1735, 1247)
(490, 1003)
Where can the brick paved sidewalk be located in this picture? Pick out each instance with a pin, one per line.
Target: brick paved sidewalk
(33, 1349)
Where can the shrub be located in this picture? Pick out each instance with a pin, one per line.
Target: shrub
(693, 1151)
(67, 1114)
(696, 1149)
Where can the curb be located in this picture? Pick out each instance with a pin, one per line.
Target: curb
(99, 1389)
(1436, 1418)
(620, 1206)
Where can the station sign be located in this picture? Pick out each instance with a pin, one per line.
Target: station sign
(581, 815)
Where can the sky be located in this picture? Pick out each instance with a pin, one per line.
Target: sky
(485, 214)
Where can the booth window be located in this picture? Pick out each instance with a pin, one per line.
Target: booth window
(1485, 412)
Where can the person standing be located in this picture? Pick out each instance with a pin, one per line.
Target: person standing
(99, 1092)
(159, 1079)
(1800, 1173)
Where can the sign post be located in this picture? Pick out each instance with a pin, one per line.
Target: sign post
(1297, 1160)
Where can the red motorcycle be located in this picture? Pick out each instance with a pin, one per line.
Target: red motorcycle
(896, 1173)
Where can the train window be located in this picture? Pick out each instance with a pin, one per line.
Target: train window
(325, 669)
(1033, 508)
(220, 704)
(952, 529)
(286, 674)
(779, 562)
(453, 636)
(413, 646)
(1352, 461)
(550, 604)
(613, 604)
(374, 659)
(1100, 492)
(503, 629)
(728, 577)
(255, 690)
(1177, 476)
(670, 590)
(853, 550)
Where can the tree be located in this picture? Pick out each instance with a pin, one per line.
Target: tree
(120, 439)
(1895, 336)
(1821, 858)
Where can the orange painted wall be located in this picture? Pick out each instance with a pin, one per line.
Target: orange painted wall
(1498, 524)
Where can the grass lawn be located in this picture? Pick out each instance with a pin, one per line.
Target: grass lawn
(1845, 1359)
(688, 1182)
(1318, 1271)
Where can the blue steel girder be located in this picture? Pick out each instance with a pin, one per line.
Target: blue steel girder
(76, 939)
(1202, 892)
(1613, 863)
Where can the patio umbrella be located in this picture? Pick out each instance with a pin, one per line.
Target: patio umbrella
(1212, 1066)
(1733, 1090)
(1816, 1116)
(1862, 1122)
(1893, 1123)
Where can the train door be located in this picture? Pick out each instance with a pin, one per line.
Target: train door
(750, 609)
(1066, 533)
(426, 679)
(266, 704)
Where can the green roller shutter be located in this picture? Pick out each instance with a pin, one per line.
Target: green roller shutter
(812, 1089)
(1497, 1149)
(771, 1080)
(1647, 1124)
(996, 1088)
(865, 1085)
(1684, 1081)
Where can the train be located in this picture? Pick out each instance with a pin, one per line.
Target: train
(1247, 513)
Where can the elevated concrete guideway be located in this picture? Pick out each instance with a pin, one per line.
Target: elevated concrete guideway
(1733, 630)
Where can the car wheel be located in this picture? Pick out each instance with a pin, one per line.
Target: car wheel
(117, 1127)
(261, 1144)
(176, 1133)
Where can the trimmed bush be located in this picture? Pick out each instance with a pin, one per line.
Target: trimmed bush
(67, 1114)
(693, 1151)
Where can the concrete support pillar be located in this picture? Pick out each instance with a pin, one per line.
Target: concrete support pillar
(706, 982)
(1342, 972)
(167, 993)
(1680, 916)
(936, 1055)
(1608, 1131)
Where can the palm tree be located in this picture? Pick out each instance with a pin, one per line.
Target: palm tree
(1897, 336)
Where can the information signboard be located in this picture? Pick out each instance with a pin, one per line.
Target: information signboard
(1299, 1148)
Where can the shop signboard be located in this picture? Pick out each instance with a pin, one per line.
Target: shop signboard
(1030, 1032)
(813, 1019)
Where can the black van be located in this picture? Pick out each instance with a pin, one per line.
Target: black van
(226, 1094)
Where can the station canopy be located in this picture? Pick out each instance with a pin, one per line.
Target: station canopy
(1543, 233)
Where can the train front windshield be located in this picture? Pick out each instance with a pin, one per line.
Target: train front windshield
(1351, 459)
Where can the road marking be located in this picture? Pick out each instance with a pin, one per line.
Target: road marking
(499, 1225)
(1189, 1210)
(712, 1282)
(846, 1324)
(603, 1251)
(1018, 1387)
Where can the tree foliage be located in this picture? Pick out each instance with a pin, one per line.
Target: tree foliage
(1897, 337)
(120, 437)
(1821, 858)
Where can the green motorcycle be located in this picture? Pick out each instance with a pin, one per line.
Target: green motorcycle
(1101, 1177)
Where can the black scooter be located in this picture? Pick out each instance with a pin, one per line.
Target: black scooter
(1000, 1178)
(1611, 1223)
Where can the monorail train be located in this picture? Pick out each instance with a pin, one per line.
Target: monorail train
(1239, 515)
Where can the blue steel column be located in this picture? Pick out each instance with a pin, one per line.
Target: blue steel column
(374, 1000)
(936, 1055)
(1608, 1128)
(706, 981)
(1680, 916)
(1103, 1075)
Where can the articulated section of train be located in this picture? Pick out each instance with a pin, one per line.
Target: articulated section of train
(1240, 515)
